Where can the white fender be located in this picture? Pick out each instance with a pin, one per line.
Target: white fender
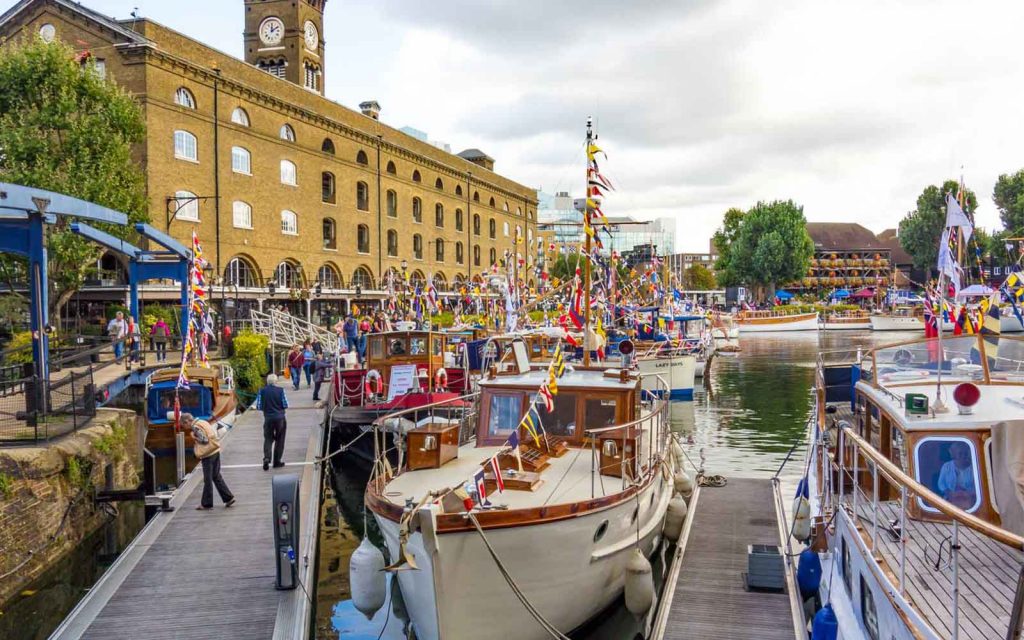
(639, 584)
(674, 518)
(366, 575)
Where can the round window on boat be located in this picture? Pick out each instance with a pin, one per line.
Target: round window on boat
(601, 530)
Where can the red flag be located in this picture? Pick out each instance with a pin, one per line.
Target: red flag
(498, 480)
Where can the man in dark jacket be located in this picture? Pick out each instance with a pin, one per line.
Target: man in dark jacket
(272, 401)
(322, 370)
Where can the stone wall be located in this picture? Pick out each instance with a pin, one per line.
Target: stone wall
(46, 494)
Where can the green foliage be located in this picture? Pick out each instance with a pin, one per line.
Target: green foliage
(699, 278)
(158, 312)
(565, 265)
(1008, 195)
(921, 229)
(20, 347)
(996, 247)
(250, 361)
(112, 310)
(78, 472)
(66, 129)
(724, 237)
(772, 245)
(13, 311)
(112, 444)
(6, 486)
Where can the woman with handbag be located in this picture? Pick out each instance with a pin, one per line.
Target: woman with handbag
(207, 450)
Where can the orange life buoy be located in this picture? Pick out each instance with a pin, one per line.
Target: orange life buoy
(374, 383)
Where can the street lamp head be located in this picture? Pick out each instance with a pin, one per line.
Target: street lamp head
(405, 264)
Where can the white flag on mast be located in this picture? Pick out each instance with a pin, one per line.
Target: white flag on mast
(955, 218)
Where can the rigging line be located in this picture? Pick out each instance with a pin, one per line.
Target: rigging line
(559, 483)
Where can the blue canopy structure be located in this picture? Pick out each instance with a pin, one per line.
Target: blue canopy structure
(839, 295)
(783, 295)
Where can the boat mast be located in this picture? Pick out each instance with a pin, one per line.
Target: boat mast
(587, 230)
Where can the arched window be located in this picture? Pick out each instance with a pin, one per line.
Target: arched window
(241, 214)
(439, 215)
(505, 207)
(458, 189)
(417, 246)
(392, 243)
(188, 206)
(392, 278)
(476, 255)
(289, 223)
(327, 146)
(506, 229)
(417, 210)
(529, 214)
(241, 273)
(494, 256)
(519, 211)
(492, 228)
(459, 256)
(416, 175)
(519, 232)
(361, 157)
(476, 224)
(287, 133)
(440, 284)
(439, 184)
(185, 146)
(417, 279)
(241, 161)
(458, 219)
(391, 168)
(184, 98)
(363, 239)
(288, 276)
(328, 277)
(491, 203)
(330, 235)
(439, 250)
(476, 196)
(328, 190)
(529, 233)
(362, 196)
(240, 117)
(363, 278)
(289, 174)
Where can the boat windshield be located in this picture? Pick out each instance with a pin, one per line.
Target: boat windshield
(977, 358)
(197, 401)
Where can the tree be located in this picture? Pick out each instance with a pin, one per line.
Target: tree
(64, 128)
(726, 275)
(772, 245)
(699, 278)
(921, 229)
(1008, 195)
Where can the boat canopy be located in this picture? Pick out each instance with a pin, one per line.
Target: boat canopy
(197, 400)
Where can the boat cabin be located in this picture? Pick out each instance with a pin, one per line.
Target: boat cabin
(210, 397)
(406, 361)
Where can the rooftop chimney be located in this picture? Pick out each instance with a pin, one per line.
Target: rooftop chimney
(371, 109)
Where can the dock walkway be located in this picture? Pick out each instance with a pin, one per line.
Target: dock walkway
(709, 599)
(211, 574)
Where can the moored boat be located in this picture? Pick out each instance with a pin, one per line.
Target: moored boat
(846, 320)
(210, 396)
(770, 321)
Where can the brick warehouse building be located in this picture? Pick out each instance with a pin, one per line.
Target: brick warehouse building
(283, 185)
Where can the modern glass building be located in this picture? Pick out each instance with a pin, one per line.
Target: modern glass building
(557, 218)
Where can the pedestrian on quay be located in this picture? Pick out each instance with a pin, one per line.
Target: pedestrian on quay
(364, 330)
(350, 329)
(272, 401)
(308, 360)
(159, 333)
(295, 362)
(323, 369)
(318, 348)
(207, 450)
(117, 329)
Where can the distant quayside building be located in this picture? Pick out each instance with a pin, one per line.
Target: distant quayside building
(562, 224)
(283, 185)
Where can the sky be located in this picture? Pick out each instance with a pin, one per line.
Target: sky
(848, 108)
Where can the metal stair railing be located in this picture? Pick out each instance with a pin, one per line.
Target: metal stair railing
(286, 330)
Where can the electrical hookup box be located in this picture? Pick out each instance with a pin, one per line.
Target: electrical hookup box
(285, 496)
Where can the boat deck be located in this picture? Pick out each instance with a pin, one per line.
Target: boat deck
(211, 574)
(988, 572)
(709, 599)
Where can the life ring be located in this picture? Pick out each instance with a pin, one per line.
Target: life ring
(374, 383)
(441, 380)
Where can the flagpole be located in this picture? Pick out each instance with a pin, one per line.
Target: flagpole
(586, 236)
(940, 406)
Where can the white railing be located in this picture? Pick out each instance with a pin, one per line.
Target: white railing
(285, 330)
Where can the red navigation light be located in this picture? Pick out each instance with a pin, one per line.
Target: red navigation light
(966, 394)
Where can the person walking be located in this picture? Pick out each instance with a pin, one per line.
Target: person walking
(207, 450)
(351, 330)
(273, 402)
(117, 329)
(308, 360)
(323, 369)
(318, 348)
(364, 329)
(295, 362)
(159, 333)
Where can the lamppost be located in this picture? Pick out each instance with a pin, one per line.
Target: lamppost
(404, 297)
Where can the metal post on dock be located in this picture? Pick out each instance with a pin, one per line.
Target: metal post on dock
(179, 455)
(842, 466)
(955, 591)
(903, 539)
(856, 480)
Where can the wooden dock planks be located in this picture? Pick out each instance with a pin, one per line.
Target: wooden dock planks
(709, 600)
(210, 574)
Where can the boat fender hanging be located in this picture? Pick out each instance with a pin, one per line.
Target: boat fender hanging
(683, 483)
(801, 529)
(801, 488)
(677, 453)
(374, 383)
(639, 584)
(366, 576)
(808, 572)
(825, 625)
(674, 518)
(441, 380)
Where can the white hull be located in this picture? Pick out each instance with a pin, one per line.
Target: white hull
(678, 371)
(896, 323)
(698, 368)
(1010, 324)
(846, 326)
(799, 323)
(459, 593)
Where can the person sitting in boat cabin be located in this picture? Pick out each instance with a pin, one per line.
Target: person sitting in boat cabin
(956, 477)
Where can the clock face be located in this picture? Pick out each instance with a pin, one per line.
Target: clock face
(272, 31)
(47, 32)
(312, 36)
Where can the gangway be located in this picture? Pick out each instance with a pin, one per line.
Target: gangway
(285, 330)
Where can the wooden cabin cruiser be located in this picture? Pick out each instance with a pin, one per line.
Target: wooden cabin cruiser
(593, 491)
(404, 370)
(917, 514)
(846, 320)
(660, 351)
(898, 319)
(210, 397)
(771, 321)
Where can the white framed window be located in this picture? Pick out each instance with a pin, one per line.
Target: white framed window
(239, 116)
(185, 146)
(188, 206)
(948, 465)
(289, 223)
(287, 133)
(241, 215)
(184, 98)
(505, 229)
(289, 174)
(241, 160)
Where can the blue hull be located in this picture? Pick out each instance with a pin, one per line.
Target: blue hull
(674, 394)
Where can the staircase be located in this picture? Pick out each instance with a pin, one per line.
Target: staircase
(284, 330)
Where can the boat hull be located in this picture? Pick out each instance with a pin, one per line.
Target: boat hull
(1010, 324)
(678, 371)
(896, 323)
(833, 325)
(800, 322)
(458, 592)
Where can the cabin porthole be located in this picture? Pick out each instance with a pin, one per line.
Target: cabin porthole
(601, 530)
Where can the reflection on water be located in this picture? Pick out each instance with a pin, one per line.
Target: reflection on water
(745, 421)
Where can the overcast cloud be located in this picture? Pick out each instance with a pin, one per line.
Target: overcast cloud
(849, 108)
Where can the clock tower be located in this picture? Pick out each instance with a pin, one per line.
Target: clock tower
(285, 39)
